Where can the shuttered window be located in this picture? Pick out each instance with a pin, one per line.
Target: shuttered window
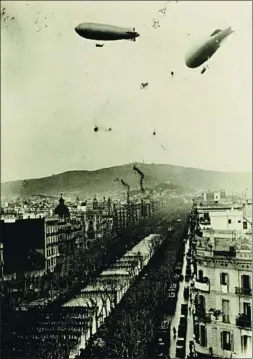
(227, 341)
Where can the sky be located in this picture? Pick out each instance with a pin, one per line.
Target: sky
(56, 86)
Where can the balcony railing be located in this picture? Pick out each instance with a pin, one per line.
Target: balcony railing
(228, 253)
(243, 291)
(201, 314)
(225, 318)
(204, 222)
(243, 321)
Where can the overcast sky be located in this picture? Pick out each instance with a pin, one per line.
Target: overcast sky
(56, 86)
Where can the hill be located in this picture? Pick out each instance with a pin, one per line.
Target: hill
(102, 181)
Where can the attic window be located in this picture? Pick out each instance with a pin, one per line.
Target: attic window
(229, 221)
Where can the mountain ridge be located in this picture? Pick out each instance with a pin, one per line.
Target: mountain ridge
(102, 181)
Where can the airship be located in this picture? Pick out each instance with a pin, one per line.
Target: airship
(203, 51)
(102, 32)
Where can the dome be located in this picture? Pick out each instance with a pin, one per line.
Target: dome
(95, 203)
(62, 210)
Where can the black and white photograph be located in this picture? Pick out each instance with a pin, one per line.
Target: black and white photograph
(126, 179)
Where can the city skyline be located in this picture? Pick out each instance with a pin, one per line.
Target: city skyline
(62, 86)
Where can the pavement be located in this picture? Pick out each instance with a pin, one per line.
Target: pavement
(176, 318)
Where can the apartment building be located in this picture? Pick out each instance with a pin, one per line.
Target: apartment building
(214, 196)
(126, 215)
(38, 244)
(223, 290)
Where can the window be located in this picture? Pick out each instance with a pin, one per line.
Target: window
(245, 226)
(247, 310)
(224, 279)
(206, 216)
(239, 221)
(226, 341)
(246, 344)
(203, 336)
(202, 304)
(225, 310)
(200, 275)
(245, 280)
(229, 221)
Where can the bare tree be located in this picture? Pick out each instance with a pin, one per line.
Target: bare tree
(154, 244)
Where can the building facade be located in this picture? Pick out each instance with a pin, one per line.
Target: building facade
(223, 290)
(32, 245)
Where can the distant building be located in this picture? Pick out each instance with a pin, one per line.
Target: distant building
(126, 215)
(24, 247)
(38, 244)
(62, 210)
(213, 196)
(224, 217)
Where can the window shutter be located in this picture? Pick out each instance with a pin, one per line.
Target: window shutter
(222, 341)
(232, 341)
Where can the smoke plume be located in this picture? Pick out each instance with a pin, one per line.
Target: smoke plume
(126, 185)
(142, 177)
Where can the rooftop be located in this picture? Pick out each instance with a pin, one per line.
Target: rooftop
(223, 241)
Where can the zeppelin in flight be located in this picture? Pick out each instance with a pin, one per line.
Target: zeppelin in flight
(102, 32)
(202, 52)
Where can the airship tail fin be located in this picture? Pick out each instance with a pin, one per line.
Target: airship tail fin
(231, 31)
(131, 39)
(215, 32)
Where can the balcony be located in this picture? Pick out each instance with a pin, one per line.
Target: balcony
(202, 286)
(243, 321)
(243, 291)
(202, 315)
(229, 253)
(225, 319)
(204, 222)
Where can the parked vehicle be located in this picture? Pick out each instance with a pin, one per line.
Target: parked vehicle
(183, 320)
(182, 331)
(186, 293)
(181, 342)
(181, 277)
(184, 309)
(180, 352)
(180, 348)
